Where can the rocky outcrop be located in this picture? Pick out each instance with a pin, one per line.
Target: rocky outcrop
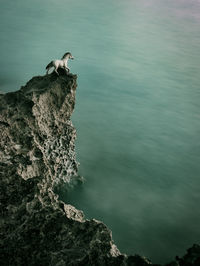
(36, 154)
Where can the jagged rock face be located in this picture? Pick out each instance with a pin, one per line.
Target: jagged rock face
(37, 153)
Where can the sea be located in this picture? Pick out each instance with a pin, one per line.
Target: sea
(137, 112)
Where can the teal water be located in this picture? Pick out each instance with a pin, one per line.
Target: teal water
(137, 109)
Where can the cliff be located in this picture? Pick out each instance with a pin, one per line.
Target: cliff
(37, 153)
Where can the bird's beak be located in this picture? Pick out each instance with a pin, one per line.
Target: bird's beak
(72, 57)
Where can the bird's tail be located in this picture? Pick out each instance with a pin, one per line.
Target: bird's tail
(49, 65)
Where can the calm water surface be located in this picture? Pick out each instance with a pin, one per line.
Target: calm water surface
(137, 109)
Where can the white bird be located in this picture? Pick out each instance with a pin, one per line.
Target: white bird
(60, 63)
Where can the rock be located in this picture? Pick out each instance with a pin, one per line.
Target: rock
(37, 152)
(192, 258)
